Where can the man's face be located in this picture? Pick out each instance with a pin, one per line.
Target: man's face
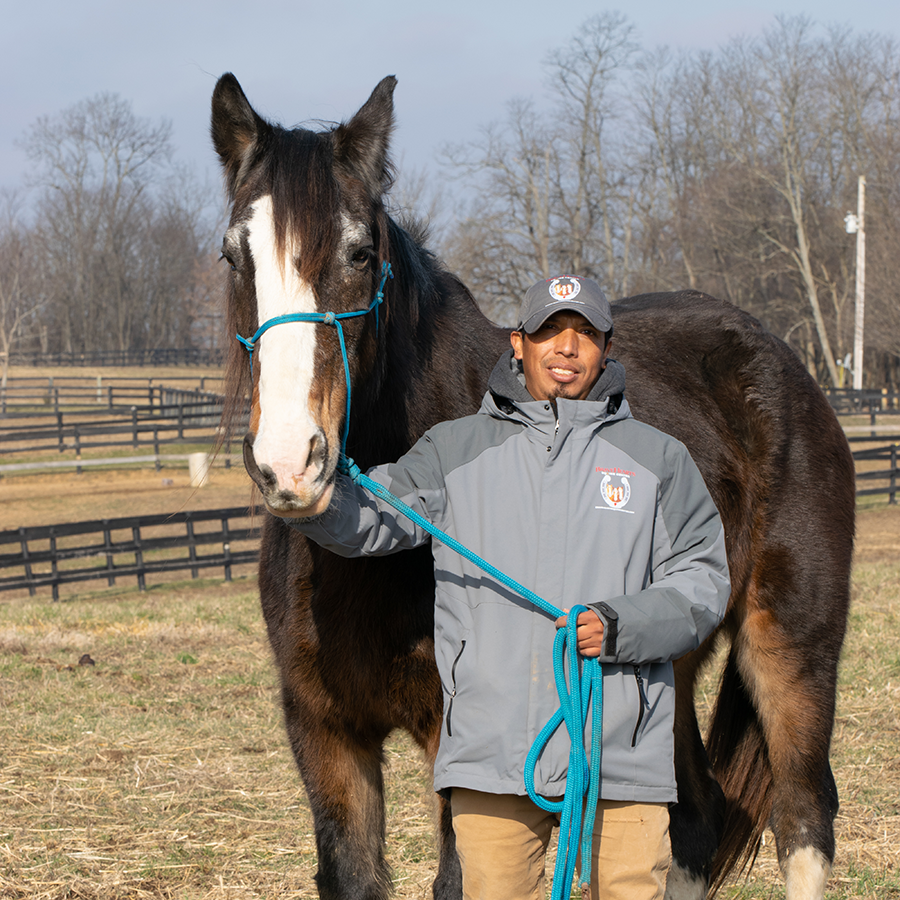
(563, 358)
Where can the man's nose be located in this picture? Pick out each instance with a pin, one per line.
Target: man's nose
(567, 342)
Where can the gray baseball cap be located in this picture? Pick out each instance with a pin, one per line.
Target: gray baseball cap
(569, 292)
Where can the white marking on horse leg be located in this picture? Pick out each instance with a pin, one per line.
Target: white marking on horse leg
(682, 885)
(805, 872)
(286, 354)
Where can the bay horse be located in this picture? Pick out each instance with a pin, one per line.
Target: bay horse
(352, 639)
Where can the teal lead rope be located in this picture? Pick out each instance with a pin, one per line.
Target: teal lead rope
(580, 696)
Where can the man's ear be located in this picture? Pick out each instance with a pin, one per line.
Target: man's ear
(606, 352)
(515, 338)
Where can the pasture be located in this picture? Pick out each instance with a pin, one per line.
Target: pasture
(161, 771)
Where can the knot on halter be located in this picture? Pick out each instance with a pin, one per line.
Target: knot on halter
(347, 467)
(328, 318)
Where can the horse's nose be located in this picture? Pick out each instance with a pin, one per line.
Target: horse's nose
(318, 452)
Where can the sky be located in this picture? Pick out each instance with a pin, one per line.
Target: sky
(458, 62)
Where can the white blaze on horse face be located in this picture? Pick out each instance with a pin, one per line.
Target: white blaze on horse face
(286, 356)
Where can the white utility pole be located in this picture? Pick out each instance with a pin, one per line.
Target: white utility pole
(857, 225)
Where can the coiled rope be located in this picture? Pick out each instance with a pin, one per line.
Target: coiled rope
(579, 680)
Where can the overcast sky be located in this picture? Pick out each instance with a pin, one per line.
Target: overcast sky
(457, 62)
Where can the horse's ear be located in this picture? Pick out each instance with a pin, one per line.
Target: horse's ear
(362, 143)
(236, 130)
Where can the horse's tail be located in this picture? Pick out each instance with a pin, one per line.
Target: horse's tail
(737, 750)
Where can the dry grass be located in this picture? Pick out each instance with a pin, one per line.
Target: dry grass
(162, 771)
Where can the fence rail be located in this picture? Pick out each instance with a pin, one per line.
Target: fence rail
(172, 356)
(131, 547)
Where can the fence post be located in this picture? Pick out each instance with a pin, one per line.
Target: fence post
(29, 575)
(156, 447)
(892, 495)
(54, 568)
(107, 543)
(110, 392)
(134, 427)
(226, 548)
(139, 557)
(59, 425)
(77, 449)
(192, 546)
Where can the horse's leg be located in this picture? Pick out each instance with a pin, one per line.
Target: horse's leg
(345, 786)
(697, 818)
(448, 883)
(416, 707)
(792, 683)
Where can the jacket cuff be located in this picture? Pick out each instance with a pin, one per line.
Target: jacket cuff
(610, 627)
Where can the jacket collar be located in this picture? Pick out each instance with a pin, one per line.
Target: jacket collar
(507, 397)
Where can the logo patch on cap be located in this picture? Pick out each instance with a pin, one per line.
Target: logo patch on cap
(564, 288)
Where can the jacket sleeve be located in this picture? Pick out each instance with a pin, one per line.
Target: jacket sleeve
(358, 524)
(689, 583)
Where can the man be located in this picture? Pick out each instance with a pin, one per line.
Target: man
(555, 483)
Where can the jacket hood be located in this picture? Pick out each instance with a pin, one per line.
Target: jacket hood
(507, 382)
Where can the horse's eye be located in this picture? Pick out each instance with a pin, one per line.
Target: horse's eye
(228, 259)
(362, 257)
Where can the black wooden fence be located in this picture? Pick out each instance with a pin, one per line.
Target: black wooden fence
(24, 397)
(874, 403)
(179, 417)
(888, 476)
(131, 547)
(171, 356)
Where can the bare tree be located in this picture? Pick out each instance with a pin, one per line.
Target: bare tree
(547, 185)
(757, 150)
(121, 227)
(20, 294)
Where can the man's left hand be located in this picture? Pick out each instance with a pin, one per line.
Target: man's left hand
(590, 632)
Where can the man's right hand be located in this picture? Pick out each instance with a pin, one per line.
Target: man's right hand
(590, 632)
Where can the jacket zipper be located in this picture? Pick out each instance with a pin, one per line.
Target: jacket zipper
(642, 701)
(453, 688)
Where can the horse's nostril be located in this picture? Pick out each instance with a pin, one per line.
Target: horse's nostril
(318, 450)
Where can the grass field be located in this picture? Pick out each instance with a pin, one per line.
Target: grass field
(161, 771)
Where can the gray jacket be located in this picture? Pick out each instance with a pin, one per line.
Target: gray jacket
(588, 507)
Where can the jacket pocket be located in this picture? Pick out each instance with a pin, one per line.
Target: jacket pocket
(643, 703)
(452, 691)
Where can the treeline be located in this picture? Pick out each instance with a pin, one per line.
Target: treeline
(114, 249)
(728, 171)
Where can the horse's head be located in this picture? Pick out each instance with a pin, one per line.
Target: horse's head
(307, 234)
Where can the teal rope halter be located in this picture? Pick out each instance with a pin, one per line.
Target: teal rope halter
(327, 318)
(580, 695)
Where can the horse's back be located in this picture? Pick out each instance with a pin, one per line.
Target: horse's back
(757, 424)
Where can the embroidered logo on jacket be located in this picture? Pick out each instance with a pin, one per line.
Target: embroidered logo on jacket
(615, 489)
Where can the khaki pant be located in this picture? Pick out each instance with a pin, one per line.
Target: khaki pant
(502, 840)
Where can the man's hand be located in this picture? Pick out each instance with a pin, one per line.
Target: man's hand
(590, 632)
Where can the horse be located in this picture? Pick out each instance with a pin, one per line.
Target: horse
(352, 639)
